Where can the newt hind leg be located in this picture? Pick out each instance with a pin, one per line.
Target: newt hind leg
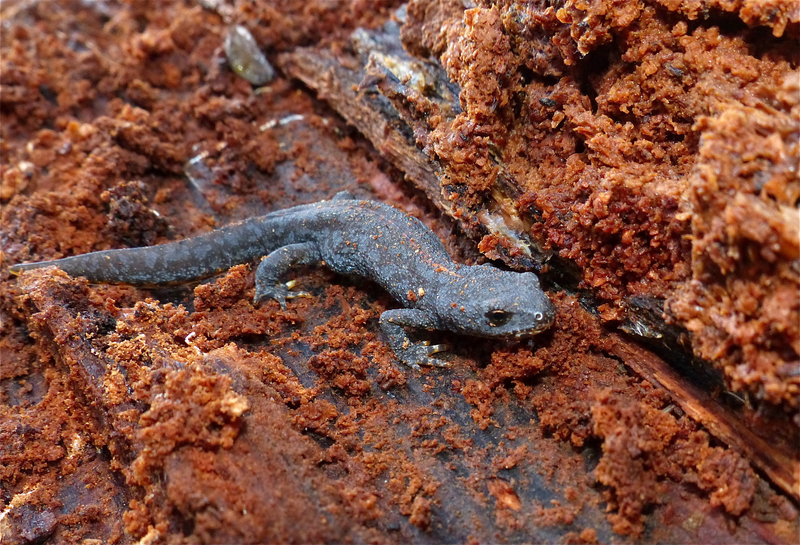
(276, 264)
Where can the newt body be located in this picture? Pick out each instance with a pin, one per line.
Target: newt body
(349, 236)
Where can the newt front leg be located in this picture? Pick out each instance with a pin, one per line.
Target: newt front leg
(412, 354)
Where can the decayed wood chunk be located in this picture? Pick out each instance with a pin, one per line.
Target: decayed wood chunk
(408, 108)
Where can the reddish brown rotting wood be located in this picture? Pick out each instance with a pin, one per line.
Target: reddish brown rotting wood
(159, 62)
(782, 467)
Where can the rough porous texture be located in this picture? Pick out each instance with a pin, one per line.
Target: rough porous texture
(655, 146)
(742, 303)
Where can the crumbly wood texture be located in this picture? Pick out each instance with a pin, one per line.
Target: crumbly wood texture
(191, 415)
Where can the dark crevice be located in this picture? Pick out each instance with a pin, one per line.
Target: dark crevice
(594, 65)
(528, 76)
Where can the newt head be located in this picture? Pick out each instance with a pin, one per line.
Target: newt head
(489, 302)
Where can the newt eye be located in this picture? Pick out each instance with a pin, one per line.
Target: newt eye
(498, 317)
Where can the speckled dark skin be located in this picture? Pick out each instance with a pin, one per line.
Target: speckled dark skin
(349, 236)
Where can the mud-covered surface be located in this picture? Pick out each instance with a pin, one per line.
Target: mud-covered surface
(191, 415)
